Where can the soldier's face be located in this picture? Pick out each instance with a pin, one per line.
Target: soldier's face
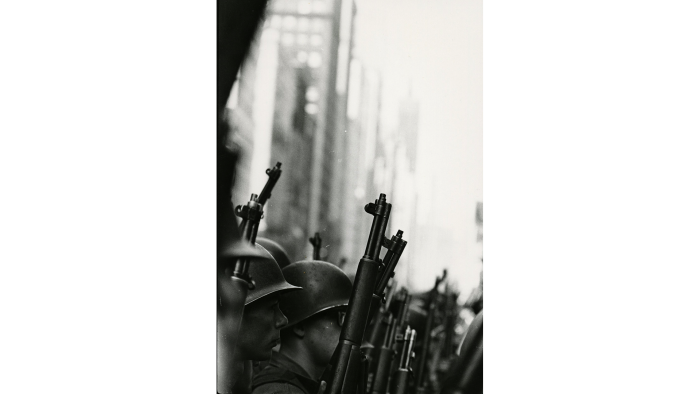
(323, 332)
(260, 329)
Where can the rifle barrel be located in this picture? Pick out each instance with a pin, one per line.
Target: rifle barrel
(273, 175)
(345, 366)
(399, 382)
(316, 242)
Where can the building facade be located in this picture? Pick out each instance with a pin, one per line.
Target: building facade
(295, 85)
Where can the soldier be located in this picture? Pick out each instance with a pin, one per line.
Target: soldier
(309, 339)
(261, 321)
(282, 259)
(229, 307)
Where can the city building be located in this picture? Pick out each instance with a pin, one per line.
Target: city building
(295, 88)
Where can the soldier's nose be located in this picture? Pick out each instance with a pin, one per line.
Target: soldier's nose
(281, 319)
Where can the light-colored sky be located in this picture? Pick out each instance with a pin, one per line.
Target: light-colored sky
(436, 47)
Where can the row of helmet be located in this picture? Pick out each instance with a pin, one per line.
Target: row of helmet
(325, 286)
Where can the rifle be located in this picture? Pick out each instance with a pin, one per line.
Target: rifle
(384, 364)
(250, 215)
(344, 372)
(369, 348)
(466, 375)
(316, 242)
(448, 350)
(425, 345)
(443, 358)
(273, 175)
(403, 302)
(395, 248)
(379, 355)
(399, 382)
(386, 354)
(449, 318)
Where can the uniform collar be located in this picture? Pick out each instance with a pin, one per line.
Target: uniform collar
(283, 361)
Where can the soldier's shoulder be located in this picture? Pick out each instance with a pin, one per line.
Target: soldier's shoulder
(277, 388)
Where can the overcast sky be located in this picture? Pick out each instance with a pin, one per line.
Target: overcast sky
(435, 47)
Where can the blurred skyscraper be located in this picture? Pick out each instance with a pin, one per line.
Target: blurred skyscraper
(291, 107)
(405, 189)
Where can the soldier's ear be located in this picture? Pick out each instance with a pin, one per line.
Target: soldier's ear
(298, 330)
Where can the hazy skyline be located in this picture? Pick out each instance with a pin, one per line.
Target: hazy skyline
(434, 48)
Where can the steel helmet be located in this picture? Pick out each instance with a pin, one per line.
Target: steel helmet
(235, 249)
(325, 286)
(267, 277)
(241, 249)
(276, 250)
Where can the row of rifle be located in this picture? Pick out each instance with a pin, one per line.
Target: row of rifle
(394, 366)
(376, 351)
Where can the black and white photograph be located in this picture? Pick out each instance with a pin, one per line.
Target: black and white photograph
(351, 204)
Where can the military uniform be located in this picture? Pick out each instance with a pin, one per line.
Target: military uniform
(283, 376)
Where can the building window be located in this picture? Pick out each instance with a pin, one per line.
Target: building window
(287, 39)
(312, 94)
(311, 108)
(290, 22)
(302, 57)
(303, 24)
(319, 6)
(315, 60)
(287, 5)
(316, 40)
(304, 7)
(276, 21)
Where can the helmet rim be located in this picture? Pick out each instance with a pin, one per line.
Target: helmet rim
(324, 309)
(282, 288)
